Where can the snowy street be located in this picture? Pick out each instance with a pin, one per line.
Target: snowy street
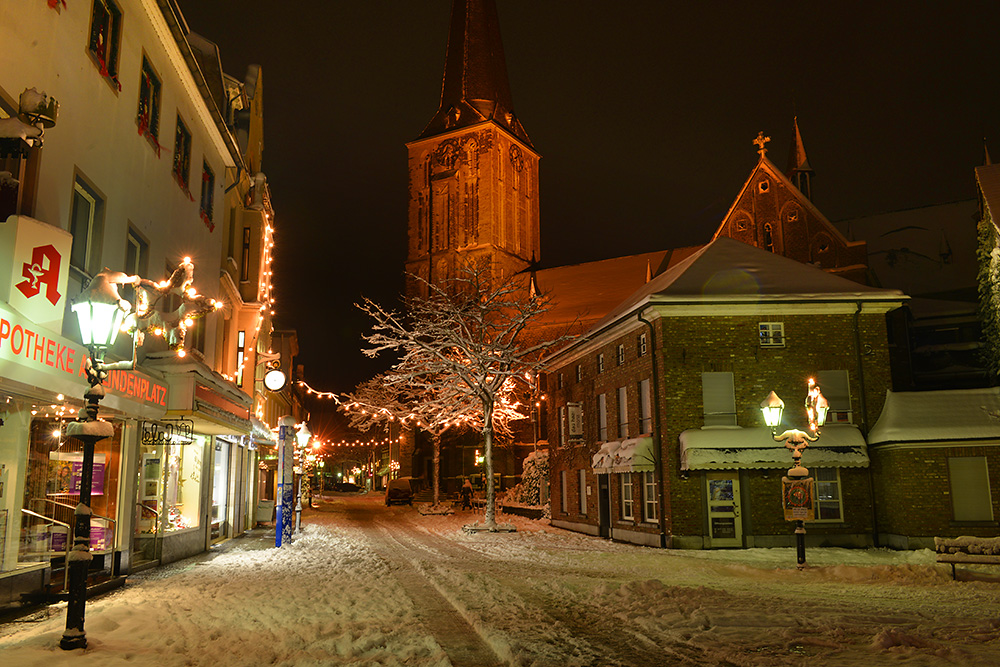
(364, 584)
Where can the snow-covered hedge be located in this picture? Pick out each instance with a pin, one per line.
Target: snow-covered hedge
(535, 473)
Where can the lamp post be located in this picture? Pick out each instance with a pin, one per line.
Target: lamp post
(303, 439)
(101, 312)
(796, 487)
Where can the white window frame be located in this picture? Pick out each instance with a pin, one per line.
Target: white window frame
(582, 484)
(650, 498)
(620, 354)
(771, 334)
(642, 345)
(828, 495)
(836, 388)
(602, 417)
(628, 500)
(622, 412)
(91, 236)
(600, 362)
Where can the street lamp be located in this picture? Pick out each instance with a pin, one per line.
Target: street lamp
(796, 487)
(102, 313)
(302, 437)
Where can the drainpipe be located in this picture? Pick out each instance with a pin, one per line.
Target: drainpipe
(658, 450)
(863, 403)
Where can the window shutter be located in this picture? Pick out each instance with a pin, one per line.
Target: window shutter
(719, 398)
(970, 488)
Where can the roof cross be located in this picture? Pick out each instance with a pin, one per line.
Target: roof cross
(760, 141)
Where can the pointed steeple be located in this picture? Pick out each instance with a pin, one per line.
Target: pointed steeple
(799, 171)
(986, 154)
(475, 87)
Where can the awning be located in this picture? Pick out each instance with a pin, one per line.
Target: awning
(262, 435)
(631, 455)
(736, 448)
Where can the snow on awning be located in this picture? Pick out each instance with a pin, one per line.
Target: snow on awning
(261, 433)
(631, 455)
(955, 414)
(737, 448)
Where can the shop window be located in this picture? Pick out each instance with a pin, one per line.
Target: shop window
(645, 408)
(148, 115)
(105, 38)
(719, 399)
(602, 417)
(622, 412)
(182, 154)
(182, 488)
(220, 490)
(86, 224)
(628, 506)
(970, 488)
(651, 500)
(827, 497)
(52, 490)
(582, 485)
(207, 195)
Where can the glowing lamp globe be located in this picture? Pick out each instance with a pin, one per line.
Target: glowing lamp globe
(303, 436)
(100, 313)
(772, 407)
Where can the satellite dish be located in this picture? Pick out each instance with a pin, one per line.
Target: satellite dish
(275, 380)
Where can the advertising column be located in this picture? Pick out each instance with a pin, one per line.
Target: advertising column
(286, 487)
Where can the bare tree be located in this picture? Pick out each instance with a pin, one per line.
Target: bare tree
(467, 342)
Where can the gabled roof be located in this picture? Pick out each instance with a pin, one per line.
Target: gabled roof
(475, 86)
(727, 271)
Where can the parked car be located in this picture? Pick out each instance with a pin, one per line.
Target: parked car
(399, 491)
(347, 487)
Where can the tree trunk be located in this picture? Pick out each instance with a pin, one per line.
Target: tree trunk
(490, 518)
(436, 473)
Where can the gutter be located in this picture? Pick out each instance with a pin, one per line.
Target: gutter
(657, 458)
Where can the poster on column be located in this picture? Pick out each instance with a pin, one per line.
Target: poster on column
(66, 470)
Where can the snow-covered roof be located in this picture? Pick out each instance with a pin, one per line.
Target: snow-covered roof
(737, 448)
(952, 415)
(728, 271)
(630, 455)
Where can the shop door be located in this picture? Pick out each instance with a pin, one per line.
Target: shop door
(725, 525)
(604, 505)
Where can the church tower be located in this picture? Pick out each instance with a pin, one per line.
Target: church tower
(473, 173)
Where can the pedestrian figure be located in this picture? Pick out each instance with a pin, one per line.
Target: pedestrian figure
(467, 495)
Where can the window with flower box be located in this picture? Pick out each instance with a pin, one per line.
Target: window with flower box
(105, 38)
(147, 117)
(182, 155)
(207, 195)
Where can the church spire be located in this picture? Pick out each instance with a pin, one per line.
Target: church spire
(799, 171)
(475, 87)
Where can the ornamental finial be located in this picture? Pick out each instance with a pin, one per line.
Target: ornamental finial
(760, 141)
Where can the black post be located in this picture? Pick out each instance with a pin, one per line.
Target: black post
(800, 543)
(89, 431)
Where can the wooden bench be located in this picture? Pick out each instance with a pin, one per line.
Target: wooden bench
(967, 550)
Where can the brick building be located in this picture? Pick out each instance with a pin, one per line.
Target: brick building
(654, 424)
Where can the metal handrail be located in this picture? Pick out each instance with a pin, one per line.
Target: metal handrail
(113, 522)
(70, 535)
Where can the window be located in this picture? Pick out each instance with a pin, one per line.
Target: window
(628, 509)
(582, 484)
(574, 421)
(650, 505)
(645, 408)
(970, 488)
(182, 154)
(764, 186)
(136, 261)
(148, 115)
(579, 373)
(105, 37)
(563, 492)
(836, 388)
(827, 497)
(562, 425)
(600, 362)
(241, 352)
(207, 195)
(719, 399)
(86, 224)
(602, 417)
(245, 259)
(641, 345)
(772, 334)
(622, 412)
(621, 354)
(559, 381)
(768, 237)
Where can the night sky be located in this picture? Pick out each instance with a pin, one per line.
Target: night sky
(643, 111)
